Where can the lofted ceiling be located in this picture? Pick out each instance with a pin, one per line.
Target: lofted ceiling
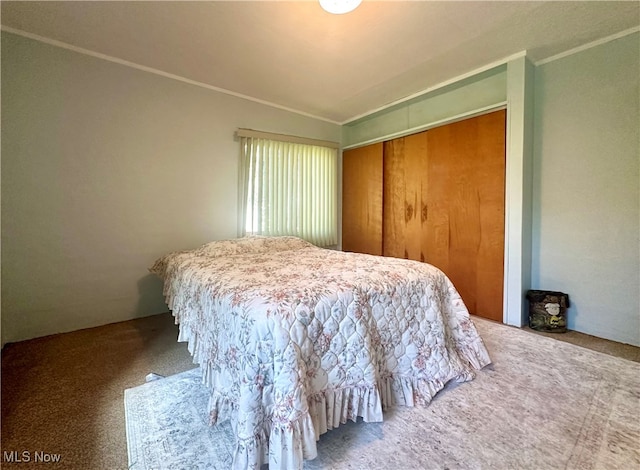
(335, 67)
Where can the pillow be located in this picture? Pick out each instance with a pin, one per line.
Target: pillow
(252, 244)
(285, 243)
(212, 249)
(159, 268)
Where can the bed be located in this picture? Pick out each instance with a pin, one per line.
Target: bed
(294, 340)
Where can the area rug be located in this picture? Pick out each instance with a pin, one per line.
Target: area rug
(541, 404)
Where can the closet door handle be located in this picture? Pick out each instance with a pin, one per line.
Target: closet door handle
(408, 212)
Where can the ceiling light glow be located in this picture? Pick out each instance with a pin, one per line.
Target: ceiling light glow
(338, 7)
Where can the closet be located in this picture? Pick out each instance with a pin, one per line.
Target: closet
(362, 199)
(437, 196)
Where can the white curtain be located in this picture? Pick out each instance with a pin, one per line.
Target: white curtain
(288, 188)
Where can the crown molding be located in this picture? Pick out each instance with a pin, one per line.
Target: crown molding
(144, 68)
(588, 45)
(471, 73)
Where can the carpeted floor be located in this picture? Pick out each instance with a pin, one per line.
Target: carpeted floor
(542, 404)
(63, 394)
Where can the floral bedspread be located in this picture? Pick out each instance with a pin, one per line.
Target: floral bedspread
(293, 340)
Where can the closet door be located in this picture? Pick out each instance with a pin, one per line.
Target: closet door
(465, 209)
(362, 199)
(405, 185)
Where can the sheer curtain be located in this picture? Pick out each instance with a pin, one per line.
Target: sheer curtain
(288, 188)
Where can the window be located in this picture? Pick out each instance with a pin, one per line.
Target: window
(288, 187)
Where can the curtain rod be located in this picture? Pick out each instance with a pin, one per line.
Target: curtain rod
(286, 138)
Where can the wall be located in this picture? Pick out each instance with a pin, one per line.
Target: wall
(586, 207)
(480, 91)
(104, 169)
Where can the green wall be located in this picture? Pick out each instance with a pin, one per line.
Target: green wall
(483, 90)
(104, 169)
(586, 186)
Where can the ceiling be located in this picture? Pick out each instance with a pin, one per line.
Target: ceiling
(335, 67)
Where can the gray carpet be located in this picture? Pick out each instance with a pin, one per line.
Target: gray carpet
(542, 404)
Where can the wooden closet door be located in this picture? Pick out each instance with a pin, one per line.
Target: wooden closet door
(362, 199)
(465, 210)
(405, 178)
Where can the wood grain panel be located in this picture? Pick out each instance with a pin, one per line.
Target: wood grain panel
(394, 197)
(491, 188)
(436, 237)
(438, 197)
(465, 225)
(405, 167)
(362, 199)
(415, 147)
